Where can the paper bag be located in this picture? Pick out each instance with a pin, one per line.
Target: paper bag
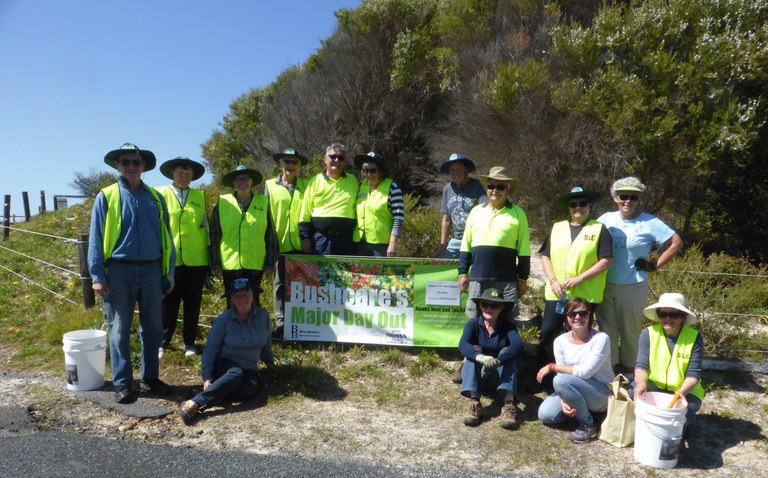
(618, 429)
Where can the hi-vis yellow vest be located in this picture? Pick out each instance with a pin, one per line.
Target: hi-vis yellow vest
(189, 234)
(667, 370)
(285, 209)
(242, 233)
(374, 221)
(569, 259)
(113, 221)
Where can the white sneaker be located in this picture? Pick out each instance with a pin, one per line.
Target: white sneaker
(160, 352)
(189, 351)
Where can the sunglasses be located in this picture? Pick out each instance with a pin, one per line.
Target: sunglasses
(291, 161)
(125, 162)
(578, 313)
(337, 157)
(668, 315)
(575, 204)
(489, 305)
(629, 197)
(498, 187)
(370, 170)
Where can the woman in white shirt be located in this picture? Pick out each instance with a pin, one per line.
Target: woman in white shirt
(583, 368)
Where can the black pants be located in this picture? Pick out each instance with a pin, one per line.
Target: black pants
(188, 288)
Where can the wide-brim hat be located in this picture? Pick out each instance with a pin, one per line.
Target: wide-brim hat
(146, 155)
(670, 300)
(228, 178)
(292, 153)
(577, 192)
(166, 169)
(492, 295)
(371, 157)
(499, 173)
(458, 158)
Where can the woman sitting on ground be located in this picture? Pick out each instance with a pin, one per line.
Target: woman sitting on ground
(583, 368)
(491, 347)
(240, 337)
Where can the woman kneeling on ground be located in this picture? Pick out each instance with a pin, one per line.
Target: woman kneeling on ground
(491, 346)
(239, 338)
(583, 368)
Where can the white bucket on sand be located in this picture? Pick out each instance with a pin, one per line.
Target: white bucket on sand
(658, 430)
(85, 356)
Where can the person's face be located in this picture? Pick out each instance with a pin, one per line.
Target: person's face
(372, 173)
(182, 176)
(578, 317)
(458, 173)
(579, 209)
(243, 300)
(628, 203)
(490, 310)
(671, 320)
(130, 166)
(290, 165)
(242, 183)
(498, 191)
(334, 162)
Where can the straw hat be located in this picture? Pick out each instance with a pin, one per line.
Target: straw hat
(499, 173)
(670, 300)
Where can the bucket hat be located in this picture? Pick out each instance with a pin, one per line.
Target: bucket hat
(670, 300)
(148, 156)
(252, 173)
(492, 295)
(577, 192)
(290, 152)
(371, 157)
(500, 173)
(458, 158)
(166, 169)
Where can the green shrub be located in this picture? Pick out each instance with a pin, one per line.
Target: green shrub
(421, 232)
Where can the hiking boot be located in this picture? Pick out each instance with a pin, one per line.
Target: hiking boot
(124, 394)
(508, 417)
(584, 432)
(155, 386)
(456, 374)
(187, 411)
(474, 414)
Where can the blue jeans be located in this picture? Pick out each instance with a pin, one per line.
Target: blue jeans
(365, 248)
(130, 283)
(585, 396)
(340, 244)
(471, 381)
(452, 249)
(230, 381)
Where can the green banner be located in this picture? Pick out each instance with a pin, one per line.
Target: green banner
(405, 302)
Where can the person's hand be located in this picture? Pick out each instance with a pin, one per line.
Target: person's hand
(206, 384)
(391, 250)
(168, 283)
(463, 283)
(439, 252)
(645, 265)
(100, 288)
(522, 288)
(640, 389)
(557, 288)
(571, 282)
(543, 371)
(568, 410)
(218, 273)
(488, 361)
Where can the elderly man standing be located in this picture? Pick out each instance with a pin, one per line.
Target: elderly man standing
(131, 259)
(328, 208)
(285, 194)
(460, 195)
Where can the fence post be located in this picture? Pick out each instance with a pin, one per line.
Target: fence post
(42, 202)
(89, 298)
(25, 201)
(6, 217)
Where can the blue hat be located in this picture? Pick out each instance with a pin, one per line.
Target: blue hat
(458, 158)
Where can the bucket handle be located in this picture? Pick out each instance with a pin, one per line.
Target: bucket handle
(94, 349)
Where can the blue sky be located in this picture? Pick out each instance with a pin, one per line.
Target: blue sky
(79, 78)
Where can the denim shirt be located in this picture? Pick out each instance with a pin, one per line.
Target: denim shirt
(242, 343)
(140, 234)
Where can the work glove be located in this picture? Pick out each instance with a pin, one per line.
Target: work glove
(168, 282)
(487, 361)
(645, 265)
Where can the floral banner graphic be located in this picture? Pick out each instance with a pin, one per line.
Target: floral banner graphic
(406, 302)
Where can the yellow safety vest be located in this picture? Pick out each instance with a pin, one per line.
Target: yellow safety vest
(667, 370)
(569, 259)
(113, 223)
(374, 220)
(189, 234)
(285, 209)
(326, 197)
(242, 233)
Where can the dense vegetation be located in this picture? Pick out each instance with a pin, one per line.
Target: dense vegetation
(563, 92)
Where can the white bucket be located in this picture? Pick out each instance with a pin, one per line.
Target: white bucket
(85, 356)
(658, 430)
